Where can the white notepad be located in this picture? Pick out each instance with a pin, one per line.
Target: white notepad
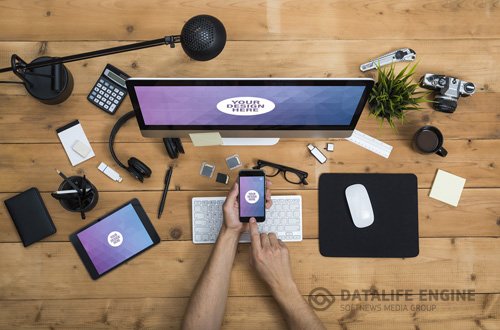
(447, 187)
(71, 134)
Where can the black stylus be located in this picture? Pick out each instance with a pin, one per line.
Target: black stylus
(168, 175)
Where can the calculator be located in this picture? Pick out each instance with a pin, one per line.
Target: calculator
(110, 90)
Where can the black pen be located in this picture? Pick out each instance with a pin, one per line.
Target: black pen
(168, 175)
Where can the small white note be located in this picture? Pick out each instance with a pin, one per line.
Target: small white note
(447, 187)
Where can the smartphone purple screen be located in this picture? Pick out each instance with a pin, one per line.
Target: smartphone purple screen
(252, 196)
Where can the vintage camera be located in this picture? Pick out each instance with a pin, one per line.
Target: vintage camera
(449, 89)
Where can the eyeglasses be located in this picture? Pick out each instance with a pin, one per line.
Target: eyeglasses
(290, 174)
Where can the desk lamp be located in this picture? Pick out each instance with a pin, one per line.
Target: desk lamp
(46, 78)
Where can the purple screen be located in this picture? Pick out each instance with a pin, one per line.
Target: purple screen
(252, 196)
(248, 105)
(115, 239)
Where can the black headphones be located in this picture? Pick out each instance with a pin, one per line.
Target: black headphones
(174, 147)
(135, 167)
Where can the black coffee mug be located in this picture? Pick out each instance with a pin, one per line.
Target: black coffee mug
(429, 140)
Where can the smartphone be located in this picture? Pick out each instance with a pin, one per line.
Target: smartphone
(252, 196)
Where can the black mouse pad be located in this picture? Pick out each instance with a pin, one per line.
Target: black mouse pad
(394, 232)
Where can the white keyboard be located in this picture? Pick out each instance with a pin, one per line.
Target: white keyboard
(284, 218)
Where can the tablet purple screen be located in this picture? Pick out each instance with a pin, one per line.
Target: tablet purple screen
(115, 238)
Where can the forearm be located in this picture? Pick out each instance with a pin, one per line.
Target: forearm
(208, 300)
(298, 314)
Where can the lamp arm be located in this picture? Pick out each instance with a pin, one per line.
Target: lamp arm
(169, 40)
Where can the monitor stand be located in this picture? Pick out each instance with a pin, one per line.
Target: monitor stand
(249, 141)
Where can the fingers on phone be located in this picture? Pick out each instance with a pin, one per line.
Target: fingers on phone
(232, 195)
(254, 234)
(269, 201)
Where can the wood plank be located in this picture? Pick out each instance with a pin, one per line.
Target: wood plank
(22, 114)
(53, 270)
(310, 58)
(166, 313)
(476, 215)
(253, 20)
(476, 160)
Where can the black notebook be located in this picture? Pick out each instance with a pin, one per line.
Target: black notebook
(394, 232)
(30, 216)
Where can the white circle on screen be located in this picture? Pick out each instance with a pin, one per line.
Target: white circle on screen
(115, 239)
(252, 196)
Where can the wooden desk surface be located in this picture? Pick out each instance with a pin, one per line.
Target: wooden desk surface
(46, 285)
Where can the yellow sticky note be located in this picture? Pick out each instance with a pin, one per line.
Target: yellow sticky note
(206, 139)
(447, 188)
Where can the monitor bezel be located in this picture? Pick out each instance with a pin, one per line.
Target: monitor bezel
(134, 82)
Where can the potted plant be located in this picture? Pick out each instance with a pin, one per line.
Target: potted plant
(394, 94)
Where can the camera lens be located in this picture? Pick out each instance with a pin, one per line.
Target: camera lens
(445, 105)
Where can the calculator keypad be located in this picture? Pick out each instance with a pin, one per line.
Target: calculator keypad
(106, 95)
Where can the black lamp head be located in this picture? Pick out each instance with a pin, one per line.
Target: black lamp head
(203, 37)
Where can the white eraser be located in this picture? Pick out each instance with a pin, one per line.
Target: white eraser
(112, 174)
(81, 148)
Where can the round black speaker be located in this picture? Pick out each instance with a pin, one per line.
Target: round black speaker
(203, 37)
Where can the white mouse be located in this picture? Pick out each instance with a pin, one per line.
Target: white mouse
(359, 205)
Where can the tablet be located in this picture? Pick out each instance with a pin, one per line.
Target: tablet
(114, 239)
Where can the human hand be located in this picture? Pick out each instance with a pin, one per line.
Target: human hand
(231, 209)
(269, 256)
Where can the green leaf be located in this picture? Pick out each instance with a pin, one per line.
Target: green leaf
(395, 93)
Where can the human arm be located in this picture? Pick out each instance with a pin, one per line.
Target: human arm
(270, 258)
(208, 299)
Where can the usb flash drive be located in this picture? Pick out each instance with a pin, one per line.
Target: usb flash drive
(112, 174)
(316, 153)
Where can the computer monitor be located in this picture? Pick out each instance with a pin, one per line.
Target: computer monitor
(254, 108)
